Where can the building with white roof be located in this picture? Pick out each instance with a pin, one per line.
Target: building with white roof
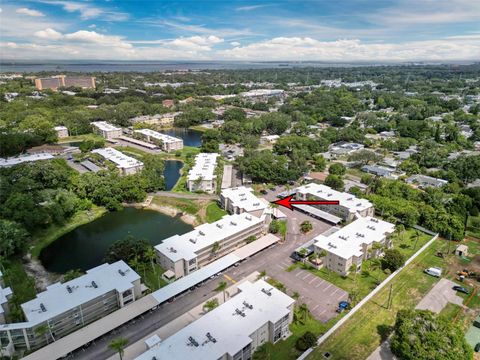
(157, 119)
(263, 94)
(259, 313)
(62, 131)
(64, 308)
(5, 295)
(201, 176)
(126, 164)
(166, 142)
(349, 205)
(360, 240)
(424, 181)
(241, 199)
(184, 254)
(12, 161)
(108, 131)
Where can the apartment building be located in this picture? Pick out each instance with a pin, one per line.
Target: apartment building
(349, 205)
(424, 181)
(157, 119)
(5, 295)
(240, 200)
(12, 161)
(64, 308)
(126, 164)
(184, 254)
(259, 313)
(108, 131)
(263, 94)
(53, 83)
(362, 239)
(166, 142)
(62, 131)
(201, 176)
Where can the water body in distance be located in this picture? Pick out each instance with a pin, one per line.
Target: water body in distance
(171, 173)
(190, 137)
(86, 246)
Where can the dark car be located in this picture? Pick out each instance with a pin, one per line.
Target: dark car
(342, 306)
(461, 289)
(263, 192)
(295, 256)
(477, 347)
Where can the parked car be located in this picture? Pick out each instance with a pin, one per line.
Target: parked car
(342, 306)
(433, 271)
(294, 255)
(263, 192)
(461, 289)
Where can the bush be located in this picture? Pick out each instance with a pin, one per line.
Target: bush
(393, 260)
(306, 341)
(274, 227)
(337, 169)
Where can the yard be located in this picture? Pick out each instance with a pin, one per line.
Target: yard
(214, 212)
(367, 328)
(473, 226)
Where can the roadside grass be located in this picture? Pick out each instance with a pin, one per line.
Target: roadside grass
(371, 273)
(45, 237)
(77, 138)
(214, 212)
(370, 325)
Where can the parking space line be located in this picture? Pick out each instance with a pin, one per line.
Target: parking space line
(316, 306)
(298, 273)
(329, 285)
(335, 291)
(312, 280)
(308, 274)
(229, 278)
(279, 266)
(320, 283)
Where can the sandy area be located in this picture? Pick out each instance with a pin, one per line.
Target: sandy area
(170, 211)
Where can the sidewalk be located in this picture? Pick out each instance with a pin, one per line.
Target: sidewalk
(136, 349)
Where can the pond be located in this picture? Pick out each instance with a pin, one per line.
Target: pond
(86, 246)
(190, 137)
(172, 173)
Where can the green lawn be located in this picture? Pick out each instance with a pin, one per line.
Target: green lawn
(153, 277)
(370, 325)
(473, 226)
(214, 212)
(128, 150)
(77, 138)
(45, 237)
(186, 205)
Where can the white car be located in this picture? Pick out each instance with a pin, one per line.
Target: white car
(433, 271)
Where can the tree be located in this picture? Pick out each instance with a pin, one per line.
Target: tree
(72, 274)
(13, 238)
(337, 169)
(306, 226)
(319, 162)
(151, 256)
(222, 286)
(261, 275)
(274, 227)
(251, 239)
(306, 341)
(422, 335)
(118, 345)
(364, 157)
(127, 249)
(335, 182)
(210, 305)
(393, 259)
(261, 353)
(215, 247)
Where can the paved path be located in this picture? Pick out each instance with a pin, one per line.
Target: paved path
(439, 296)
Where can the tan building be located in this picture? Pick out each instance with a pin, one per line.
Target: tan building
(166, 142)
(157, 119)
(53, 83)
(168, 103)
(184, 254)
(241, 199)
(201, 176)
(107, 130)
(360, 240)
(125, 164)
(349, 205)
(62, 131)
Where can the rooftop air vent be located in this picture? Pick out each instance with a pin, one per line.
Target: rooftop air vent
(239, 312)
(121, 272)
(94, 284)
(268, 292)
(211, 338)
(42, 307)
(247, 305)
(233, 223)
(220, 226)
(193, 241)
(69, 289)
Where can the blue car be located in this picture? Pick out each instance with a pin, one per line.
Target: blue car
(342, 306)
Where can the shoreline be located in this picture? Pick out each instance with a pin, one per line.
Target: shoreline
(168, 210)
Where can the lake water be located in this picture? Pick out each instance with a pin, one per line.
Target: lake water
(172, 173)
(190, 137)
(85, 246)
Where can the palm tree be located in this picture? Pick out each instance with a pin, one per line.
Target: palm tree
(304, 311)
(215, 247)
(222, 286)
(134, 263)
(210, 305)
(261, 275)
(151, 255)
(118, 345)
(295, 295)
(306, 226)
(41, 331)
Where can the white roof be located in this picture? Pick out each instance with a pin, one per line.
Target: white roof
(104, 126)
(228, 331)
(324, 192)
(156, 135)
(4, 294)
(204, 167)
(59, 128)
(243, 198)
(187, 245)
(347, 241)
(24, 158)
(262, 92)
(97, 281)
(123, 161)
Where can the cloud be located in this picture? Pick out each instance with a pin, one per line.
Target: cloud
(29, 12)
(88, 11)
(250, 8)
(235, 43)
(49, 34)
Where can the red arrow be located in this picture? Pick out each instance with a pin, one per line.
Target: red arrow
(288, 202)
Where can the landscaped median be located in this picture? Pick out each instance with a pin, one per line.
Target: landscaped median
(367, 328)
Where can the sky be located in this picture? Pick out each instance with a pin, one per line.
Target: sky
(283, 30)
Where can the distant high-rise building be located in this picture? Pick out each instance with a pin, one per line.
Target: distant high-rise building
(53, 83)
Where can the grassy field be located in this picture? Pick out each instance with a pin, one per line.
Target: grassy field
(186, 205)
(369, 326)
(214, 212)
(372, 274)
(473, 226)
(153, 277)
(45, 237)
(83, 137)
